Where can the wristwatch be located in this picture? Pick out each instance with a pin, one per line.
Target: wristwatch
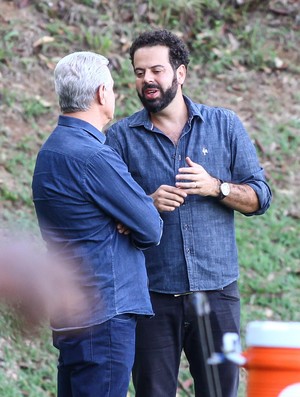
(224, 190)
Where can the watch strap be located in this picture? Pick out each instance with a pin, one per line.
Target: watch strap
(221, 195)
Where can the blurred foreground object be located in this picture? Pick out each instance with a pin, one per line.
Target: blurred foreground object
(200, 305)
(272, 358)
(37, 288)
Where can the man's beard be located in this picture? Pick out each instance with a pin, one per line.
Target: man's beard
(158, 104)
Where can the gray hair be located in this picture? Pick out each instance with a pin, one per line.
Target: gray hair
(77, 78)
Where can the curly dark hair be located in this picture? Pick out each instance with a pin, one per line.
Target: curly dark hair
(178, 51)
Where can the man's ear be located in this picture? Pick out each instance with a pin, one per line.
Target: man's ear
(181, 74)
(101, 93)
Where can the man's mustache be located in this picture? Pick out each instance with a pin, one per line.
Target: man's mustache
(149, 86)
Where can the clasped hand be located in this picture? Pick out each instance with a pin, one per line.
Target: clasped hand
(192, 179)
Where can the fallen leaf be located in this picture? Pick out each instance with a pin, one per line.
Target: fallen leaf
(50, 65)
(279, 64)
(269, 313)
(233, 42)
(43, 40)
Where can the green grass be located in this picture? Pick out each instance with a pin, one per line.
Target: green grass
(221, 38)
(28, 365)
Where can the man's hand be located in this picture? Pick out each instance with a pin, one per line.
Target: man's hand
(197, 180)
(242, 198)
(168, 198)
(123, 229)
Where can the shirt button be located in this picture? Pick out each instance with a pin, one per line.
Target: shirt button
(186, 227)
(188, 250)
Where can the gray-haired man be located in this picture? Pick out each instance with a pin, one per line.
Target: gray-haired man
(81, 190)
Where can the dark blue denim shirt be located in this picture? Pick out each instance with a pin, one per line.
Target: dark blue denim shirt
(80, 188)
(198, 248)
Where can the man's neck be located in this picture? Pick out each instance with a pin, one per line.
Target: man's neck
(172, 119)
(89, 116)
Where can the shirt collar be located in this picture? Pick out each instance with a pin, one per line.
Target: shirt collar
(74, 122)
(193, 108)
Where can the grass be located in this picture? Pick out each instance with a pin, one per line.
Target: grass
(28, 365)
(222, 39)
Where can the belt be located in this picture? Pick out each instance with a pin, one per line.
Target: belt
(193, 292)
(184, 293)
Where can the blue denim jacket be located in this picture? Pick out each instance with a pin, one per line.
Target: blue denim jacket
(198, 248)
(80, 188)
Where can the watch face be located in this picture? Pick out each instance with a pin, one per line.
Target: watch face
(225, 188)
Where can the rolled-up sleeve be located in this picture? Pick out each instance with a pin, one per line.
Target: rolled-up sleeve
(246, 168)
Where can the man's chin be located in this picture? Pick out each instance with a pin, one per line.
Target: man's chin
(152, 108)
(153, 105)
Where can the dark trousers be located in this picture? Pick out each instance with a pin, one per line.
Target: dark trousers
(161, 339)
(96, 361)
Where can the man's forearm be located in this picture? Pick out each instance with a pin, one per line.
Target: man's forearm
(242, 198)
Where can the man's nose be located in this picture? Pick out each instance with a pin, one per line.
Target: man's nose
(148, 76)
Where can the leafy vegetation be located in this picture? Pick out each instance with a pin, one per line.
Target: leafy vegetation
(244, 55)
